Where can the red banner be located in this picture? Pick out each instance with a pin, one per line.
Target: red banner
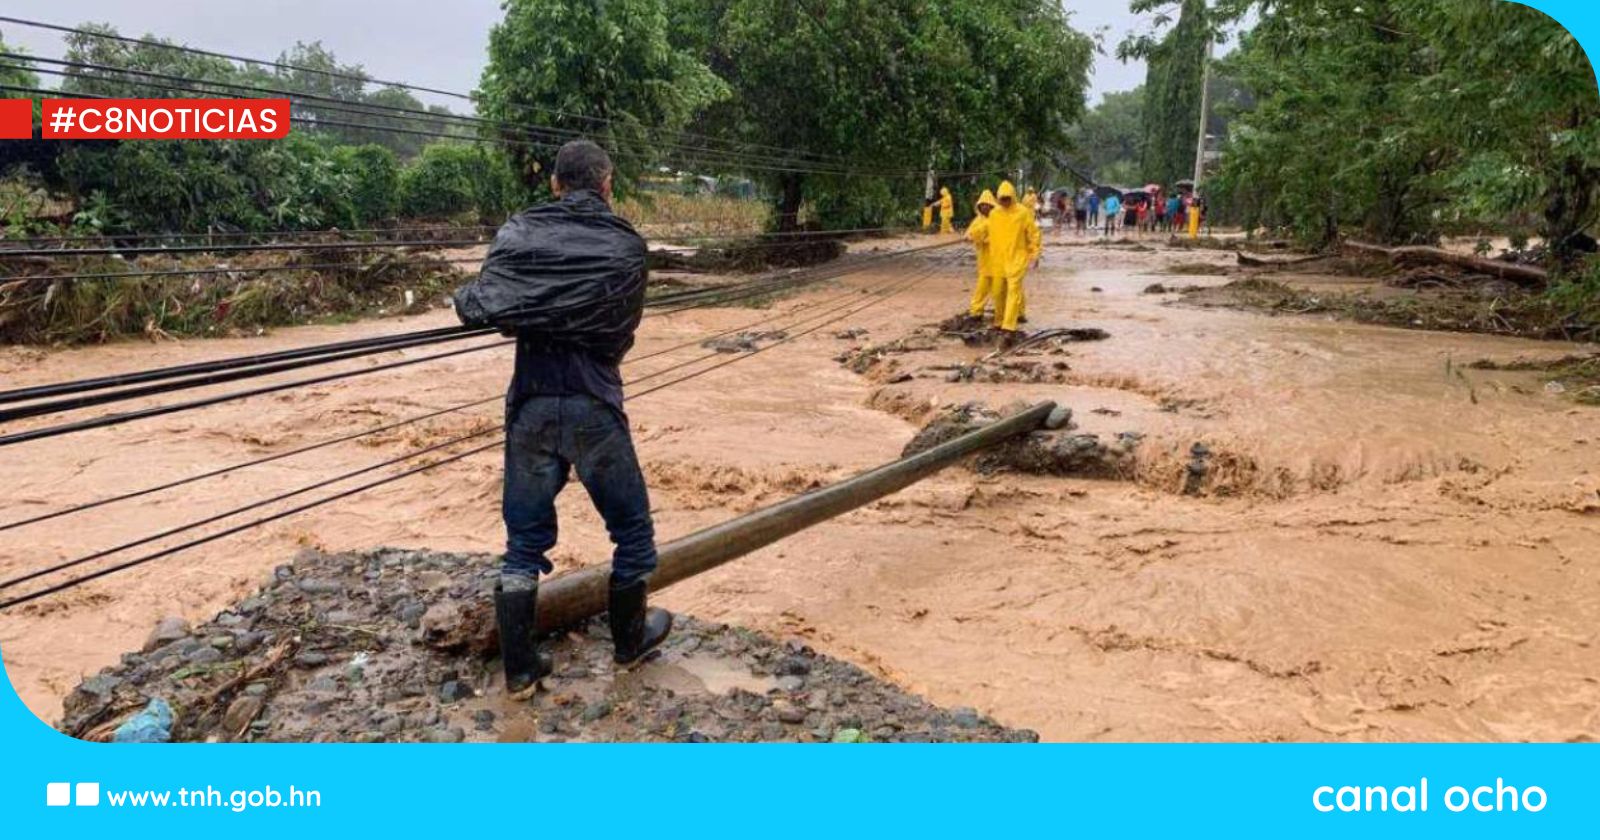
(16, 119)
(165, 119)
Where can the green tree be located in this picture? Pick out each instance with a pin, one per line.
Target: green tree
(374, 175)
(599, 68)
(451, 180)
(1404, 119)
(1175, 69)
(888, 87)
(1109, 137)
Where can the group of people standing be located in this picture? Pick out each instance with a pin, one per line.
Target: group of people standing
(1138, 211)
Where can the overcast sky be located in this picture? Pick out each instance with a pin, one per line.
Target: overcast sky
(421, 42)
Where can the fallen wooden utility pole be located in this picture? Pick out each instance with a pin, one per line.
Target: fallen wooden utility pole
(1522, 275)
(568, 599)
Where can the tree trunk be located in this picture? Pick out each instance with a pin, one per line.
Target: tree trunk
(790, 195)
(1523, 275)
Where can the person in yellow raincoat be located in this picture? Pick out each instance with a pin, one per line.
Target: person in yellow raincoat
(947, 211)
(1030, 200)
(927, 215)
(1014, 245)
(978, 234)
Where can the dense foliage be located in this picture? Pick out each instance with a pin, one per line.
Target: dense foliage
(1402, 120)
(344, 165)
(1108, 140)
(606, 70)
(1176, 67)
(822, 100)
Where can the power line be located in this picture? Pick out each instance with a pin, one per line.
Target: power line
(440, 122)
(82, 579)
(360, 244)
(551, 135)
(385, 427)
(414, 261)
(752, 288)
(155, 374)
(366, 80)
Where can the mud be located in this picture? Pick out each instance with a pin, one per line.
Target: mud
(1433, 297)
(391, 646)
(1385, 544)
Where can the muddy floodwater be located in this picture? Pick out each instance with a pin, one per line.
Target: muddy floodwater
(1330, 531)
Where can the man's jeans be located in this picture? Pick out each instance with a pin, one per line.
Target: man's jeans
(547, 438)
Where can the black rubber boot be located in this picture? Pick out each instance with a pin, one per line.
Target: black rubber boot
(516, 614)
(636, 629)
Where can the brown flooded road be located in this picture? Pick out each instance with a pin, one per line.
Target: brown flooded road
(1387, 546)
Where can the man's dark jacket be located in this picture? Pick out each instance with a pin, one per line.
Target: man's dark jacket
(570, 273)
(568, 279)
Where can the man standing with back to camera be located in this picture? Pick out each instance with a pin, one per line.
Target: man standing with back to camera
(567, 278)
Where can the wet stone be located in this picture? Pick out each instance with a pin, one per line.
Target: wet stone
(454, 691)
(167, 631)
(318, 586)
(204, 656)
(311, 659)
(793, 665)
(453, 735)
(595, 711)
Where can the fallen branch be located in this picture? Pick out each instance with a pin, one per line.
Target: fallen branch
(1257, 262)
(1523, 275)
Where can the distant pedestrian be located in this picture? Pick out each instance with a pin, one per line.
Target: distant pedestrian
(1094, 209)
(1113, 212)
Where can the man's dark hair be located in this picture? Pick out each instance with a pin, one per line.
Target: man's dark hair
(582, 165)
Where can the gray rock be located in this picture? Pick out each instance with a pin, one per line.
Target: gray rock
(440, 735)
(791, 683)
(256, 689)
(220, 642)
(1059, 417)
(454, 691)
(311, 659)
(965, 717)
(792, 666)
(323, 684)
(319, 586)
(412, 614)
(241, 712)
(791, 714)
(167, 631)
(595, 711)
(204, 656)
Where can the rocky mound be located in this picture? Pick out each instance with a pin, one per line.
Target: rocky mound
(390, 646)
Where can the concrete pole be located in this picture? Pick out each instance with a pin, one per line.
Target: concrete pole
(1205, 108)
(567, 599)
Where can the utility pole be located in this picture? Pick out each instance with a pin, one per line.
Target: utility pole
(1205, 107)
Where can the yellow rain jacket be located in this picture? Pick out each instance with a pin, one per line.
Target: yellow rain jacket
(1030, 200)
(947, 211)
(978, 234)
(1014, 243)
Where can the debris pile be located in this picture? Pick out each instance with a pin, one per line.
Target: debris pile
(1055, 450)
(388, 646)
(744, 342)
